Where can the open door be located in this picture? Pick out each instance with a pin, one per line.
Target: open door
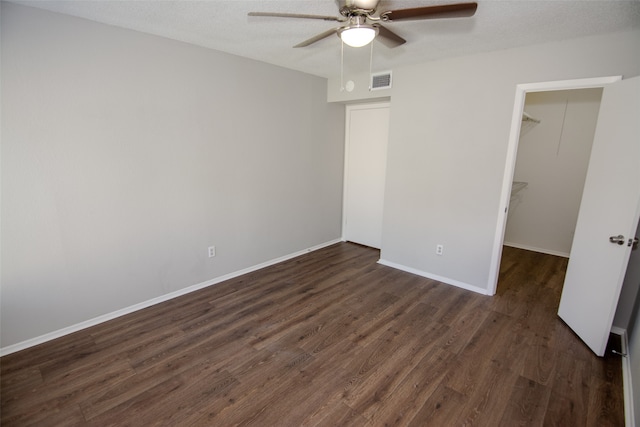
(608, 218)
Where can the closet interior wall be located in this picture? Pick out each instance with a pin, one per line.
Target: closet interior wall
(551, 166)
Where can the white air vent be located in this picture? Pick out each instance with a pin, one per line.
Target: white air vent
(381, 80)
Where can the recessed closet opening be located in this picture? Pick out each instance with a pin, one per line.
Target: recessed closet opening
(554, 147)
(551, 114)
(607, 198)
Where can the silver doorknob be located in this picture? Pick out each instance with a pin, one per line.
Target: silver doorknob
(619, 239)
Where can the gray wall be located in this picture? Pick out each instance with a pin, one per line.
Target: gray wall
(449, 130)
(448, 137)
(125, 155)
(634, 351)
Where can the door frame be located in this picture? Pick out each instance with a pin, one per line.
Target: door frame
(347, 127)
(512, 151)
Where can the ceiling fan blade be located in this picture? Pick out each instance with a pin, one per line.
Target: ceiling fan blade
(296, 15)
(317, 38)
(388, 37)
(457, 10)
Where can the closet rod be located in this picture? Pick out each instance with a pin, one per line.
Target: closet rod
(527, 118)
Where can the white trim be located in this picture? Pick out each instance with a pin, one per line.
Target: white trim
(127, 310)
(535, 249)
(512, 150)
(627, 384)
(441, 279)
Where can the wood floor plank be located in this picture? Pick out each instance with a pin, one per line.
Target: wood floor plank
(154, 374)
(491, 396)
(67, 348)
(146, 321)
(605, 397)
(200, 343)
(265, 400)
(337, 415)
(56, 370)
(257, 371)
(68, 392)
(464, 324)
(441, 407)
(375, 391)
(527, 405)
(415, 389)
(569, 401)
(312, 392)
(322, 375)
(169, 399)
(61, 416)
(17, 382)
(540, 363)
(380, 321)
(301, 311)
(329, 338)
(480, 356)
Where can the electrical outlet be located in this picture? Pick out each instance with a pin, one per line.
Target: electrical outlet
(439, 249)
(212, 251)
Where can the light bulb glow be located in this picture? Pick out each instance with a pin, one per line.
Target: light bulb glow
(358, 36)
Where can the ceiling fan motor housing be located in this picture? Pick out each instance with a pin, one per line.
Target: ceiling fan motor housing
(366, 6)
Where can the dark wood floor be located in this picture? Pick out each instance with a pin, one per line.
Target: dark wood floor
(330, 338)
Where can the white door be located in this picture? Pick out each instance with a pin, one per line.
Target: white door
(365, 170)
(610, 207)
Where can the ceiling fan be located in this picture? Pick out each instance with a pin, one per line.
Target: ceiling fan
(363, 20)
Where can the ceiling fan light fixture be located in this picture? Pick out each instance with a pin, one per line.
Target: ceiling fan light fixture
(358, 35)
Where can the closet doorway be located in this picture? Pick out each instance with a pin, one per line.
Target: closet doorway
(610, 201)
(556, 135)
(509, 190)
(366, 136)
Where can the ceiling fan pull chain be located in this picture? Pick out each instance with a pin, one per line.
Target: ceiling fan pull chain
(370, 64)
(341, 66)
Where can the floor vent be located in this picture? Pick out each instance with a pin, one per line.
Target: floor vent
(381, 80)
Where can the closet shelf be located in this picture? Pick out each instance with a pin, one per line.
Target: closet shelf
(528, 123)
(528, 118)
(518, 186)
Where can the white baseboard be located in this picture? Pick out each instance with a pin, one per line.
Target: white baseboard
(445, 280)
(127, 310)
(534, 249)
(629, 416)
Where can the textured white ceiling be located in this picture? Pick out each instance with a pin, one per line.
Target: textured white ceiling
(224, 25)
